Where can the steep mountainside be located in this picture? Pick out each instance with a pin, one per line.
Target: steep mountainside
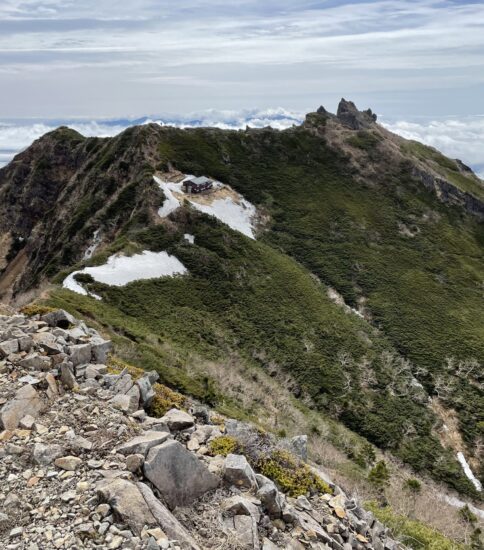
(361, 297)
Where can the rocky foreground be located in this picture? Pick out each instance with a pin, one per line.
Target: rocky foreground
(83, 465)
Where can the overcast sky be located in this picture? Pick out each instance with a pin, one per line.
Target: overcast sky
(412, 61)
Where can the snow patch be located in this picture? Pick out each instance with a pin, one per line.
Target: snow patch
(457, 503)
(121, 270)
(237, 215)
(223, 203)
(171, 203)
(189, 238)
(468, 472)
(96, 239)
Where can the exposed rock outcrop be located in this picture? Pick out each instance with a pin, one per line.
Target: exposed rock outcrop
(79, 472)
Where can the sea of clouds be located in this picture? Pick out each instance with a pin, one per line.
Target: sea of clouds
(456, 137)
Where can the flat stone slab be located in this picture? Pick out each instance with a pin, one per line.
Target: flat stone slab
(143, 443)
(178, 420)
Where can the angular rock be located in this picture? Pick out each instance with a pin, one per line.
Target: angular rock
(26, 401)
(178, 474)
(147, 393)
(59, 318)
(124, 403)
(128, 503)
(95, 371)
(272, 499)
(52, 389)
(100, 349)
(307, 523)
(36, 362)
(143, 443)
(244, 529)
(268, 545)
(170, 525)
(134, 394)
(70, 463)
(46, 454)
(25, 343)
(238, 472)
(67, 376)
(238, 505)
(178, 420)
(80, 353)
(27, 422)
(8, 347)
(123, 384)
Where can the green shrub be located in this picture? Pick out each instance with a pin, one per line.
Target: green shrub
(413, 485)
(412, 533)
(293, 476)
(84, 278)
(164, 400)
(379, 475)
(224, 445)
(36, 309)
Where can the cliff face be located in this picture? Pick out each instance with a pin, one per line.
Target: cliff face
(60, 190)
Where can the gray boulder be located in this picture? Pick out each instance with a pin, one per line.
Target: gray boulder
(100, 349)
(238, 472)
(127, 502)
(8, 347)
(244, 530)
(80, 354)
(272, 499)
(67, 376)
(238, 505)
(35, 361)
(26, 401)
(46, 454)
(178, 420)
(59, 318)
(178, 474)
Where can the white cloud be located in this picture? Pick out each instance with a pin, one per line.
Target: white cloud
(455, 137)
(244, 49)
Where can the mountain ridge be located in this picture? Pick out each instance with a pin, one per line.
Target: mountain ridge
(392, 226)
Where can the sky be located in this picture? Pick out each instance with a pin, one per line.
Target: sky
(418, 63)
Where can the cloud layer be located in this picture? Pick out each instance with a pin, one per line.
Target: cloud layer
(109, 58)
(455, 137)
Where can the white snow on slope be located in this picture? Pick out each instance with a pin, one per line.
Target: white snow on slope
(238, 216)
(121, 270)
(171, 203)
(189, 238)
(233, 210)
(457, 503)
(468, 472)
(96, 239)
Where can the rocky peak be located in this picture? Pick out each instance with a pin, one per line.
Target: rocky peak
(349, 115)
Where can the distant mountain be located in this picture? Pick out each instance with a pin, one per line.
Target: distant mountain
(361, 293)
